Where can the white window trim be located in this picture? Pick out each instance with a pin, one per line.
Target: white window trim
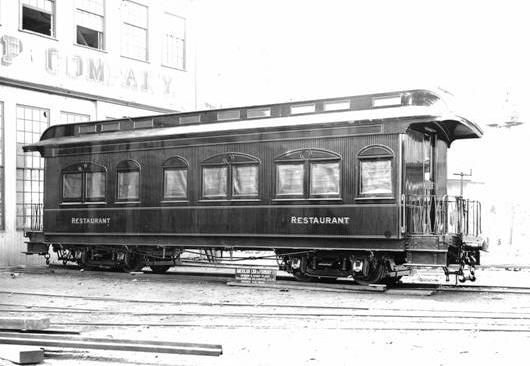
(147, 53)
(53, 20)
(104, 48)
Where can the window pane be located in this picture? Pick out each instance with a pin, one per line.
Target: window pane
(290, 179)
(214, 182)
(175, 183)
(134, 42)
(245, 181)
(376, 177)
(72, 186)
(325, 178)
(129, 185)
(95, 185)
(174, 41)
(36, 21)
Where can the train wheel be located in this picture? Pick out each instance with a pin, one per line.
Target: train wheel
(159, 269)
(375, 274)
(302, 277)
(133, 263)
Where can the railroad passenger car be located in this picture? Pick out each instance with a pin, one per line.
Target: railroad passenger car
(352, 186)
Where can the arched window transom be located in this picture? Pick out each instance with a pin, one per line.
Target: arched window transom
(308, 173)
(128, 172)
(175, 172)
(230, 176)
(375, 171)
(84, 182)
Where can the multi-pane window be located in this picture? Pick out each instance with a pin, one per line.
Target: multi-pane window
(375, 171)
(70, 117)
(84, 182)
(38, 16)
(90, 20)
(175, 179)
(308, 173)
(134, 31)
(31, 122)
(173, 50)
(128, 173)
(230, 176)
(2, 176)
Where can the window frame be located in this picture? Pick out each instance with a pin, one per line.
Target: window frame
(124, 22)
(306, 158)
(165, 48)
(128, 166)
(104, 26)
(83, 168)
(175, 163)
(53, 19)
(29, 166)
(375, 153)
(229, 161)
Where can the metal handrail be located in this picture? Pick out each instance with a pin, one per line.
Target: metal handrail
(442, 215)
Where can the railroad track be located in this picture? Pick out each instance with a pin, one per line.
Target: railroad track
(266, 316)
(193, 271)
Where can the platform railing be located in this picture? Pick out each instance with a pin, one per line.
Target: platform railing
(31, 217)
(442, 215)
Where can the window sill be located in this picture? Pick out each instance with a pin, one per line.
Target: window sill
(232, 200)
(173, 68)
(175, 201)
(38, 34)
(90, 48)
(82, 203)
(336, 199)
(375, 198)
(127, 202)
(136, 59)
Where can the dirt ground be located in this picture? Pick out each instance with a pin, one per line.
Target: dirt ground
(258, 326)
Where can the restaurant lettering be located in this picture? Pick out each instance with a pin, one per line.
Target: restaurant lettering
(90, 220)
(319, 220)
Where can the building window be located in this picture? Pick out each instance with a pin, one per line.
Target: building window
(90, 28)
(134, 31)
(31, 122)
(2, 175)
(39, 16)
(84, 182)
(308, 173)
(174, 47)
(128, 180)
(230, 176)
(70, 117)
(375, 171)
(175, 179)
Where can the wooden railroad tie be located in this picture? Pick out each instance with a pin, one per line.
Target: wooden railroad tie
(62, 341)
(24, 323)
(22, 355)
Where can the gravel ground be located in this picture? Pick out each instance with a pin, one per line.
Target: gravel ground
(258, 326)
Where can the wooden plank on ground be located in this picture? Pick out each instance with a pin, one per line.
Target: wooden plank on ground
(25, 323)
(49, 340)
(22, 355)
(328, 287)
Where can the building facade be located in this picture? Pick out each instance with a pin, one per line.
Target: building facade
(75, 61)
